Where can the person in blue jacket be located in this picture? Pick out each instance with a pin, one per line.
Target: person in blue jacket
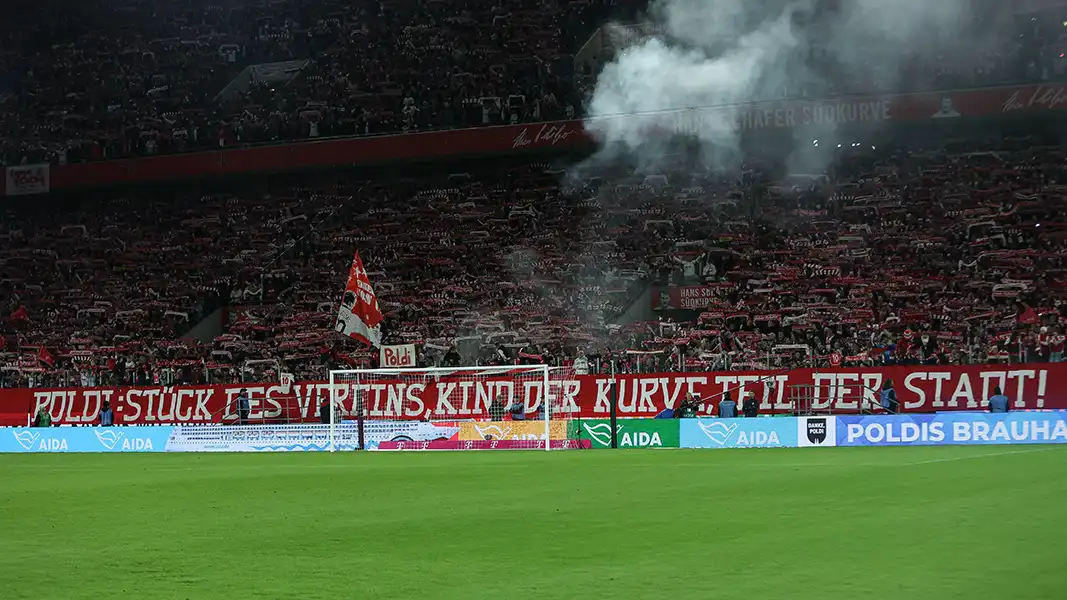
(727, 407)
(888, 398)
(998, 402)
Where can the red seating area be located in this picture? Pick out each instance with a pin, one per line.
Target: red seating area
(933, 257)
(894, 255)
(937, 257)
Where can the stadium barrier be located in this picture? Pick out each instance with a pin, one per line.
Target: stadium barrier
(940, 429)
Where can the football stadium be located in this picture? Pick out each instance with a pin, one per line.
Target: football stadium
(514, 299)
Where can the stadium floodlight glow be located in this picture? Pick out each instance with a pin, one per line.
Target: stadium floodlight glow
(486, 401)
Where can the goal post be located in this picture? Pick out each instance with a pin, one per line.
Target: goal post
(509, 406)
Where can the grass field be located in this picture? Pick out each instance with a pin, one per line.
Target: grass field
(914, 523)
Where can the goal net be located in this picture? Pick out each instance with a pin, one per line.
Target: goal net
(461, 408)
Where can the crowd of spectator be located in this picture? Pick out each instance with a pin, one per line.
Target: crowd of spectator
(137, 78)
(928, 258)
(95, 81)
(946, 256)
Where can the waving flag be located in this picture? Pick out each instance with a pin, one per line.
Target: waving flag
(359, 316)
(45, 357)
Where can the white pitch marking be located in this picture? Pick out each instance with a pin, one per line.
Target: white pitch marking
(987, 454)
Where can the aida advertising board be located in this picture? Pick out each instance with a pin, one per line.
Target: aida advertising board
(767, 432)
(632, 433)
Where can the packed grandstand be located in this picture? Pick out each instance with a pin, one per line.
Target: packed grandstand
(927, 242)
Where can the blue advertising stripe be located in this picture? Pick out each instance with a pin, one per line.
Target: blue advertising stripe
(779, 432)
(957, 428)
(84, 439)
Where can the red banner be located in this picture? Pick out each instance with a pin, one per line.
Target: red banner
(919, 389)
(1027, 99)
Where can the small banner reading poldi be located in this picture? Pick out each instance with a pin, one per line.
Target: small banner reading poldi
(399, 356)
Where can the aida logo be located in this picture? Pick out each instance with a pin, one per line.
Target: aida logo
(492, 432)
(719, 433)
(109, 438)
(26, 439)
(599, 433)
(117, 440)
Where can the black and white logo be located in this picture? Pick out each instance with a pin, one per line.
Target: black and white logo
(816, 431)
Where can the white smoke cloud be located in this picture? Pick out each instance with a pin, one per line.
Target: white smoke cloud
(726, 53)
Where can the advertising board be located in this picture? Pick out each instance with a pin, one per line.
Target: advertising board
(84, 439)
(512, 430)
(738, 433)
(951, 429)
(632, 433)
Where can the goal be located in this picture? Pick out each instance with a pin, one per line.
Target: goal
(460, 408)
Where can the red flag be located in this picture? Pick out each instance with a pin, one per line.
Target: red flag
(20, 314)
(44, 356)
(359, 316)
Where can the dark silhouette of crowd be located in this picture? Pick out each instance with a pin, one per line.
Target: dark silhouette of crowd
(93, 81)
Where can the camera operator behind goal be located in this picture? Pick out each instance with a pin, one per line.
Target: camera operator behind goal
(687, 408)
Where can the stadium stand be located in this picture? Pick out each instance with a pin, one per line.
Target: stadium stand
(926, 257)
(952, 255)
(134, 78)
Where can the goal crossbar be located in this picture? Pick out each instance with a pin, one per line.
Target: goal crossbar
(355, 380)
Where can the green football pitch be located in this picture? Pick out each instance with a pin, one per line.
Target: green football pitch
(887, 523)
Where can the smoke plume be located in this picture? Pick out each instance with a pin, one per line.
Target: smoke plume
(707, 59)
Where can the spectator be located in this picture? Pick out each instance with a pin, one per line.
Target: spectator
(107, 416)
(1056, 341)
(750, 407)
(517, 410)
(497, 409)
(727, 407)
(243, 407)
(43, 419)
(889, 397)
(998, 402)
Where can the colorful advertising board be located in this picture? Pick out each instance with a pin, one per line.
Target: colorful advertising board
(513, 430)
(953, 429)
(290, 438)
(486, 445)
(923, 389)
(218, 438)
(738, 433)
(632, 433)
